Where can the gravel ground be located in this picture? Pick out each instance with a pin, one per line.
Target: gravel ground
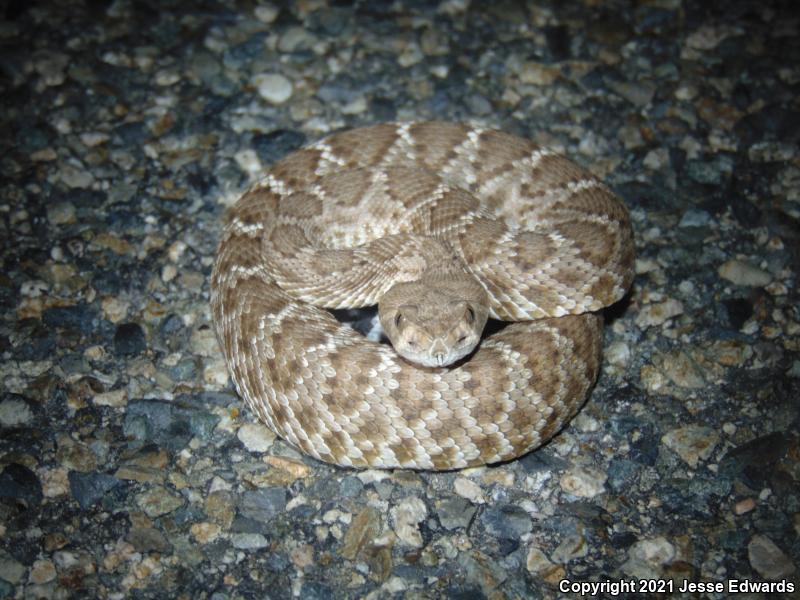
(128, 467)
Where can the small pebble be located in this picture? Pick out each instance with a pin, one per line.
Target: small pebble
(205, 532)
(583, 482)
(693, 443)
(406, 517)
(157, 501)
(273, 87)
(468, 489)
(743, 273)
(256, 437)
(11, 570)
(115, 398)
(744, 506)
(768, 559)
(61, 213)
(657, 314)
(15, 412)
(42, 571)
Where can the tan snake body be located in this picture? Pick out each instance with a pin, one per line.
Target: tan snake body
(340, 222)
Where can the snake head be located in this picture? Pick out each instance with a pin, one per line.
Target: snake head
(433, 325)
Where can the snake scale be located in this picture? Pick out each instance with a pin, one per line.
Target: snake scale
(442, 225)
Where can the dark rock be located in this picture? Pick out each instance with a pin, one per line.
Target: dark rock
(696, 498)
(274, 145)
(86, 199)
(350, 487)
(19, 483)
(132, 134)
(713, 171)
(753, 460)
(773, 122)
(38, 341)
(168, 424)
(622, 473)
(341, 90)
(185, 370)
(242, 54)
(147, 539)
(542, 460)
(506, 522)
(79, 317)
(455, 513)
(129, 339)
(314, 590)
(89, 488)
(558, 42)
(173, 332)
(738, 311)
(382, 109)
(264, 504)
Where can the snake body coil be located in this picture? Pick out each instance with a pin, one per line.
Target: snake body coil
(489, 222)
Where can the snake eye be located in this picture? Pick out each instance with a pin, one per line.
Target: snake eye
(470, 315)
(398, 318)
(462, 339)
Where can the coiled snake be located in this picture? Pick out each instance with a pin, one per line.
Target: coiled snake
(441, 225)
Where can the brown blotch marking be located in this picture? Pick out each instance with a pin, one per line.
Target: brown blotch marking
(302, 333)
(346, 188)
(533, 250)
(488, 445)
(336, 442)
(585, 332)
(542, 357)
(287, 240)
(413, 394)
(552, 170)
(260, 299)
(593, 240)
(484, 383)
(301, 205)
(322, 264)
(297, 169)
(405, 450)
(239, 250)
(252, 206)
(369, 455)
(472, 241)
(435, 143)
(308, 415)
(454, 204)
(364, 147)
(348, 392)
(595, 201)
(445, 459)
(604, 289)
(409, 187)
(496, 150)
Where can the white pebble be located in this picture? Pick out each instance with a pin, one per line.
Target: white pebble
(256, 437)
(583, 482)
(466, 488)
(406, 517)
(273, 87)
(743, 273)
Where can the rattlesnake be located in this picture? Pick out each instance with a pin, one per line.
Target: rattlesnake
(493, 225)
